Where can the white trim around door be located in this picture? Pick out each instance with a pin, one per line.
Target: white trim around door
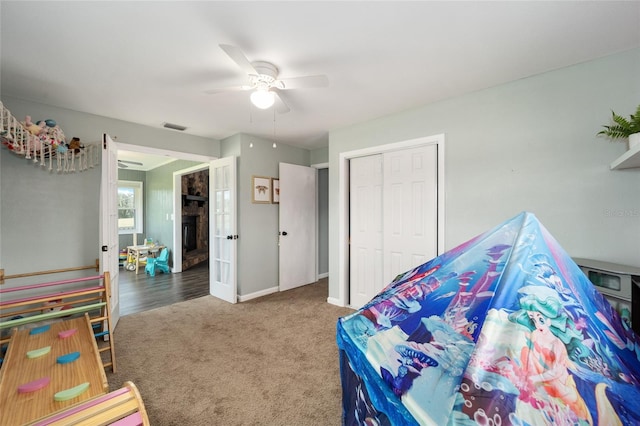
(319, 251)
(343, 204)
(177, 230)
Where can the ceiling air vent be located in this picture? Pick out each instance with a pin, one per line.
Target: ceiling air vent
(174, 127)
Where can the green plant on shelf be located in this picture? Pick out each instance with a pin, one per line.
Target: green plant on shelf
(622, 127)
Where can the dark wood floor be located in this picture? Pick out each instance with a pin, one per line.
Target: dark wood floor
(142, 292)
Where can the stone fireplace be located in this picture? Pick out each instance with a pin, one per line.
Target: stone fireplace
(189, 233)
(195, 219)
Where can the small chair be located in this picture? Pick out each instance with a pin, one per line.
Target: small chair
(160, 262)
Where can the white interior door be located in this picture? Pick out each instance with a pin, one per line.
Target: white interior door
(410, 209)
(109, 221)
(365, 225)
(297, 236)
(223, 230)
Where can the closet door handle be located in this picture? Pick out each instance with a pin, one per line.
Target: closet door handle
(229, 237)
(284, 233)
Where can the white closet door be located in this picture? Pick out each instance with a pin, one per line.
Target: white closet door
(365, 224)
(410, 209)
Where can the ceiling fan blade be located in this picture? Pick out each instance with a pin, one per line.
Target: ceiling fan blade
(122, 166)
(137, 163)
(227, 89)
(239, 58)
(281, 106)
(307, 82)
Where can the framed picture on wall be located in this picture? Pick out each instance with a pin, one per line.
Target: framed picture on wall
(261, 193)
(275, 188)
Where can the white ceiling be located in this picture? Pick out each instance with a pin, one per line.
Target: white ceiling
(132, 160)
(151, 62)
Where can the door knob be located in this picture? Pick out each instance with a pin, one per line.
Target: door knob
(284, 233)
(229, 237)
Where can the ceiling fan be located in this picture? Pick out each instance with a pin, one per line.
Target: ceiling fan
(123, 163)
(264, 81)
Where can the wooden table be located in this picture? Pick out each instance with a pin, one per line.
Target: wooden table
(134, 253)
(18, 369)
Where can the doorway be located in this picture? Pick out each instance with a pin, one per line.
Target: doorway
(344, 256)
(170, 212)
(191, 224)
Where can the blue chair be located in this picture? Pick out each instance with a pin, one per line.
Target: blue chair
(160, 262)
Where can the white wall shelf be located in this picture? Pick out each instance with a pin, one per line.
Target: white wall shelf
(628, 160)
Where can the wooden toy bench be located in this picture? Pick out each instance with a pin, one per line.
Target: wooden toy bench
(122, 407)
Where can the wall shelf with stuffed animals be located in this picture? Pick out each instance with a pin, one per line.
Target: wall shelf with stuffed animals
(44, 142)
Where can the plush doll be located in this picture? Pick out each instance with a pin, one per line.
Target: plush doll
(34, 129)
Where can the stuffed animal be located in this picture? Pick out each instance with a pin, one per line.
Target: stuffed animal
(75, 144)
(61, 148)
(34, 129)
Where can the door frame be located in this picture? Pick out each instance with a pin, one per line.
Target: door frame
(343, 203)
(318, 167)
(120, 146)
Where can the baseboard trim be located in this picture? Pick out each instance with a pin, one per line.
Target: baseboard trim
(321, 276)
(334, 301)
(257, 294)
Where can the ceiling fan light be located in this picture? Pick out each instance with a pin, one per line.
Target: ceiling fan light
(262, 99)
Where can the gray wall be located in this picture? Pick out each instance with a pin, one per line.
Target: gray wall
(158, 197)
(527, 145)
(258, 223)
(50, 220)
(319, 156)
(323, 221)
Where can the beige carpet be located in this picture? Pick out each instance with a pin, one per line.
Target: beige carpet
(268, 361)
